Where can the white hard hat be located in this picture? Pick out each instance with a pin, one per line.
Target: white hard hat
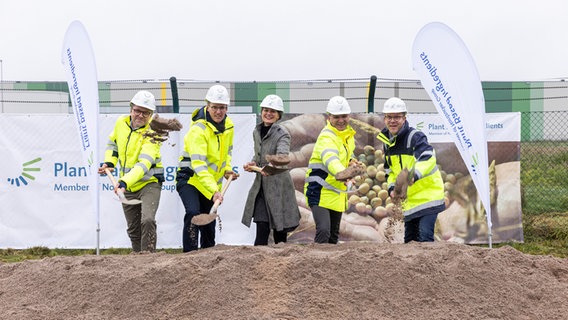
(273, 101)
(338, 105)
(394, 105)
(144, 99)
(218, 94)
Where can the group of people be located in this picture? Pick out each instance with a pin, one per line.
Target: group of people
(271, 203)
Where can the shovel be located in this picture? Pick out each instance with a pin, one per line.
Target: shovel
(269, 170)
(410, 175)
(278, 159)
(120, 194)
(206, 218)
(350, 190)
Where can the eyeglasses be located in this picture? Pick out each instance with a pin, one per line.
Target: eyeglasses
(395, 118)
(218, 108)
(139, 112)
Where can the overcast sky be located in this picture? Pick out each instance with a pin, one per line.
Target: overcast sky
(232, 40)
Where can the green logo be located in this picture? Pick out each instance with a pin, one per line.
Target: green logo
(90, 159)
(475, 159)
(21, 180)
(420, 125)
(475, 162)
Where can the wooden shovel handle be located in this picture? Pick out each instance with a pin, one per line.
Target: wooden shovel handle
(120, 195)
(109, 174)
(226, 186)
(223, 190)
(255, 168)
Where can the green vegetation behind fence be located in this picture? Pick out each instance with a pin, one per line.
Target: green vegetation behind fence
(544, 179)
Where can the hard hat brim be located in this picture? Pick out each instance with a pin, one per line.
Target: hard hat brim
(338, 113)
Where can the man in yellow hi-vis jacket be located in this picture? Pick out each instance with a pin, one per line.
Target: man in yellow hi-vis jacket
(333, 153)
(406, 147)
(141, 171)
(205, 161)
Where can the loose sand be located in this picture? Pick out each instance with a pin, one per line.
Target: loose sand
(351, 280)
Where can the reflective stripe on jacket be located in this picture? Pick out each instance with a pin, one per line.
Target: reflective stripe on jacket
(407, 149)
(207, 153)
(139, 157)
(332, 152)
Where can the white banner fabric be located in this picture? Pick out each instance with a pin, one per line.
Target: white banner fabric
(448, 73)
(52, 208)
(78, 61)
(499, 127)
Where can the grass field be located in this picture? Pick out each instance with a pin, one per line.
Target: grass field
(544, 182)
(557, 248)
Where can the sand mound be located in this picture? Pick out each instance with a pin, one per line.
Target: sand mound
(346, 281)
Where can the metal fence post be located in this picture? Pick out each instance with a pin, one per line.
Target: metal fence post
(371, 98)
(175, 97)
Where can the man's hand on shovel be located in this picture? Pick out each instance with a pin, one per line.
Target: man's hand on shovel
(404, 179)
(118, 190)
(206, 218)
(230, 173)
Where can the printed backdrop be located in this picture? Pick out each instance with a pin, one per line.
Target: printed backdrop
(51, 206)
(45, 199)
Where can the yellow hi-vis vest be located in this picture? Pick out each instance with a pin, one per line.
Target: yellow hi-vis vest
(409, 149)
(206, 153)
(139, 157)
(332, 152)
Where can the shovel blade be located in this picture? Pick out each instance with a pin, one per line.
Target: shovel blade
(132, 202)
(278, 159)
(123, 199)
(204, 219)
(270, 170)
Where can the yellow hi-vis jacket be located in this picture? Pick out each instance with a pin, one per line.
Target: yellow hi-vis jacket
(207, 152)
(139, 157)
(410, 148)
(332, 152)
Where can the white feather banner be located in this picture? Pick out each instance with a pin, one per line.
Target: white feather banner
(448, 73)
(81, 71)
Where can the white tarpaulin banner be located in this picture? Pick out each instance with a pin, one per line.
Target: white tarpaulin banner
(449, 75)
(500, 127)
(53, 209)
(78, 61)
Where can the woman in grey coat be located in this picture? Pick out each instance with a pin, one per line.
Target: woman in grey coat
(271, 200)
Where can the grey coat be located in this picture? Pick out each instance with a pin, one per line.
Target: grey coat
(278, 189)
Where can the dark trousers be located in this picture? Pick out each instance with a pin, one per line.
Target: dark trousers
(327, 224)
(263, 232)
(420, 229)
(195, 203)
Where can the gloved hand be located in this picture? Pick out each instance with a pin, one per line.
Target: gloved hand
(122, 185)
(351, 171)
(404, 179)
